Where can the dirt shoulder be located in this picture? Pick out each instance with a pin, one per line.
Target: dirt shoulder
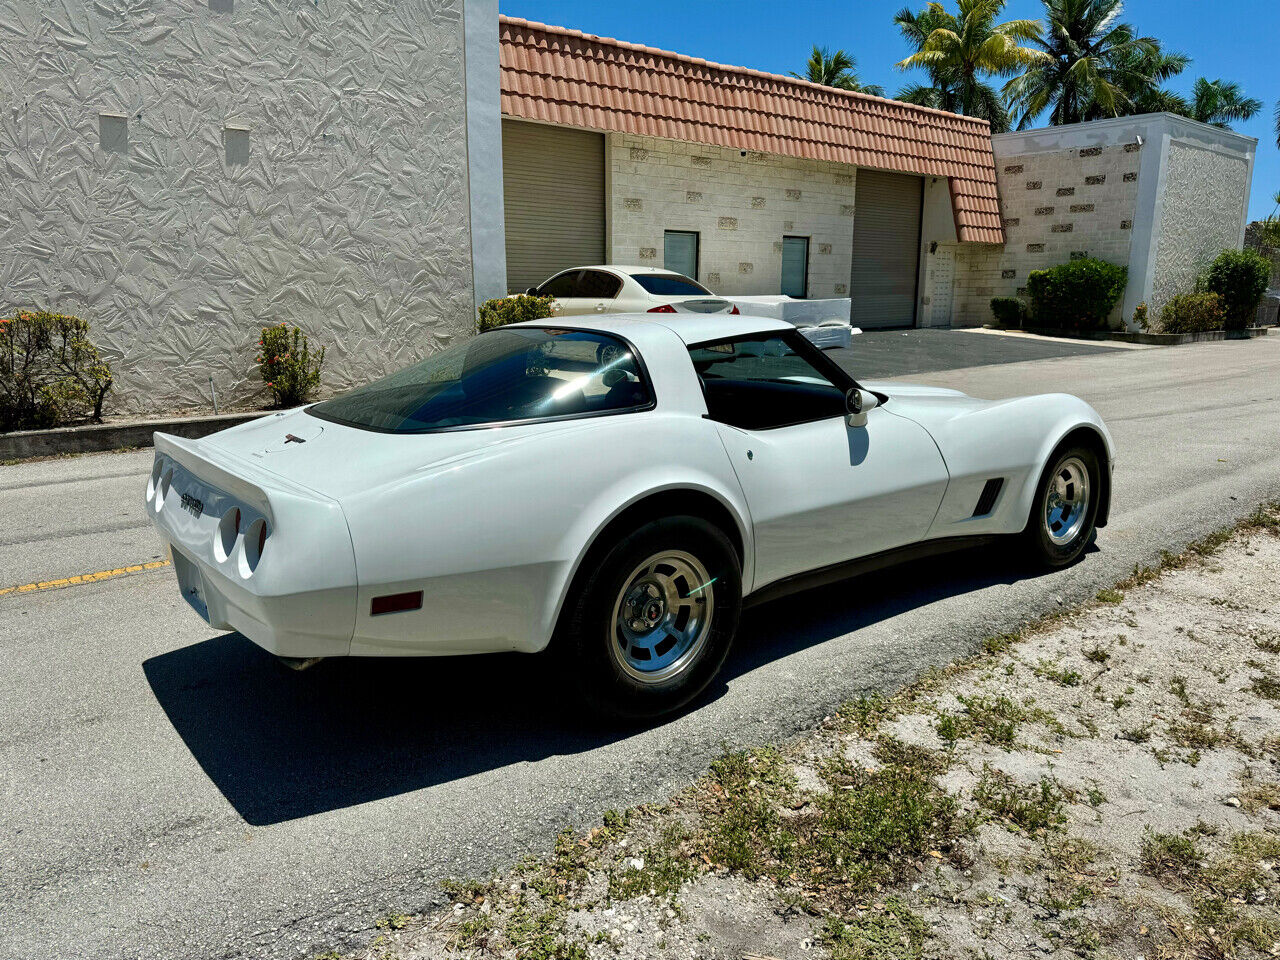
(1104, 784)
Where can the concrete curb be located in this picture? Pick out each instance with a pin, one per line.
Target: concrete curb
(1152, 339)
(112, 436)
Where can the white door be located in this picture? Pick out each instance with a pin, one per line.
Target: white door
(942, 273)
(820, 492)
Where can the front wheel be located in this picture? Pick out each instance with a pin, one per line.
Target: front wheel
(648, 626)
(1065, 509)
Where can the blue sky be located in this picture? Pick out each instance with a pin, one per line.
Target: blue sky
(1232, 39)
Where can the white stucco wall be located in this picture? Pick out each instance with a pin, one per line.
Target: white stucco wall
(292, 163)
(741, 206)
(1202, 212)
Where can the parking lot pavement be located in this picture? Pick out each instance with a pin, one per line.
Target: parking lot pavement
(169, 790)
(877, 354)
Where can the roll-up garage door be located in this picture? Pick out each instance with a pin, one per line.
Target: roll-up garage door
(553, 199)
(886, 249)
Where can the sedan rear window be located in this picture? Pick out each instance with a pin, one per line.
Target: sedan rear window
(670, 285)
(513, 374)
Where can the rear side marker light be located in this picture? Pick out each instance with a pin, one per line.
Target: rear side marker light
(665, 308)
(735, 312)
(396, 603)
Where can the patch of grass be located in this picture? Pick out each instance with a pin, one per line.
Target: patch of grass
(1027, 807)
(1266, 686)
(864, 714)
(1256, 846)
(393, 921)
(993, 720)
(1059, 675)
(661, 868)
(874, 825)
(1223, 928)
(1259, 796)
(1110, 595)
(887, 932)
(1269, 643)
(1097, 655)
(999, 643)
(1194, 735)
(1137, 734)
(537, 932)
(1170, 854)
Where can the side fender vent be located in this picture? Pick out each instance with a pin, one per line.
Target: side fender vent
(988, 498)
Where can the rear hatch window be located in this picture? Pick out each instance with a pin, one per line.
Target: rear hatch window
(503, 376)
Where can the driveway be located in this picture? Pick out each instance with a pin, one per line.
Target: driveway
(169, 790)
(879, 354)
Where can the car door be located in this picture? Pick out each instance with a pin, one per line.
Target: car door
(565, 288)
(820, 492)
(597, 291)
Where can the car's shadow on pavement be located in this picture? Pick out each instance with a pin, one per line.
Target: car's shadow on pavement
(282, 745)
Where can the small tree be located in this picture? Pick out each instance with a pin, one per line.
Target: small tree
(505, 310)
(50, 371)
(289, 368)
(1239, 278)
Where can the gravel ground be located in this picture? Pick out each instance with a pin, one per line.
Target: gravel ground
(1105, 784)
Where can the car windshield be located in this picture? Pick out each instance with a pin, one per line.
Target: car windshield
(527, 373)
(670, 285)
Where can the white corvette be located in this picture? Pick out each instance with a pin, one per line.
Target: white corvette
(613, 488)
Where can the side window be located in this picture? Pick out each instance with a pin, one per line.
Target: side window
(561, 286)
(680, 252)
(760, 383)
(598, 285)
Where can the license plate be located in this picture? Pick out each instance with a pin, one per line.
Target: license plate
(191, 583)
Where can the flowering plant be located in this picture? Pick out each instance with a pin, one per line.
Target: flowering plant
(288, 367)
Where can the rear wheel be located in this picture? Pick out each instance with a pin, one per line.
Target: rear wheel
(1065, 509)
(650, 623)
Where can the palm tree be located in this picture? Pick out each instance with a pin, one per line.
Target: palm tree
(916, 28)
(1221, 102)
(1091, 67)
(1143, 71)
(837, 70)
(964, 48)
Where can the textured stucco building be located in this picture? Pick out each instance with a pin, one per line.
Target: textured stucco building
(183, 174)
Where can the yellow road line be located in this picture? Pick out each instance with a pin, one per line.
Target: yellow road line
(84, 578)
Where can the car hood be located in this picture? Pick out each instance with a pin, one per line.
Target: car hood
(339, 461)
(932, 407)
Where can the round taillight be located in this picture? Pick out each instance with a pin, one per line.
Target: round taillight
(228, 530)
(255, 540)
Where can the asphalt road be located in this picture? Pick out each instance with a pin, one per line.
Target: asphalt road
(170, 791)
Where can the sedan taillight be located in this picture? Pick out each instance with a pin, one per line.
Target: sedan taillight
(665, 308)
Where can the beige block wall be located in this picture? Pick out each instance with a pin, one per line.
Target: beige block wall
(741, 207)
(1056, 205)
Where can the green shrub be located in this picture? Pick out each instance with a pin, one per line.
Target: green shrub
(50, 372)
(1240, 278)
(1192, 313)
(289, 368)
(1077, 295)
(504, 310)
(1008, 311)
(1141, 318)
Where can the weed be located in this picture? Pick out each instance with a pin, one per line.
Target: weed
(888, 932)
(393, 921)
(1000, 642)
(663, 867)
(1266, 685)
(1097, 655)
(1137, 734)
(1059, 675)
(864, 714)
(1165, 854)
(1110, 595)
(1030, 808)
(1194, 735)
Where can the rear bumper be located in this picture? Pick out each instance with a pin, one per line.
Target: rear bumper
(296, 597)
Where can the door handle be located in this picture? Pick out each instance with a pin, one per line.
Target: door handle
(599, 308)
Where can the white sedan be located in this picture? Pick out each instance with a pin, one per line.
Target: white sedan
(613, 488)
(622, 289)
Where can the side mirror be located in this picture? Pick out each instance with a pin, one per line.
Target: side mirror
(531, 292)
(857, 405)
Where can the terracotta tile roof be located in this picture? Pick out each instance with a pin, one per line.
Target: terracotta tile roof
(568, 77)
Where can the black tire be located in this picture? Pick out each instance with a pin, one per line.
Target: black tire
(588, 639)
(1043, 547)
